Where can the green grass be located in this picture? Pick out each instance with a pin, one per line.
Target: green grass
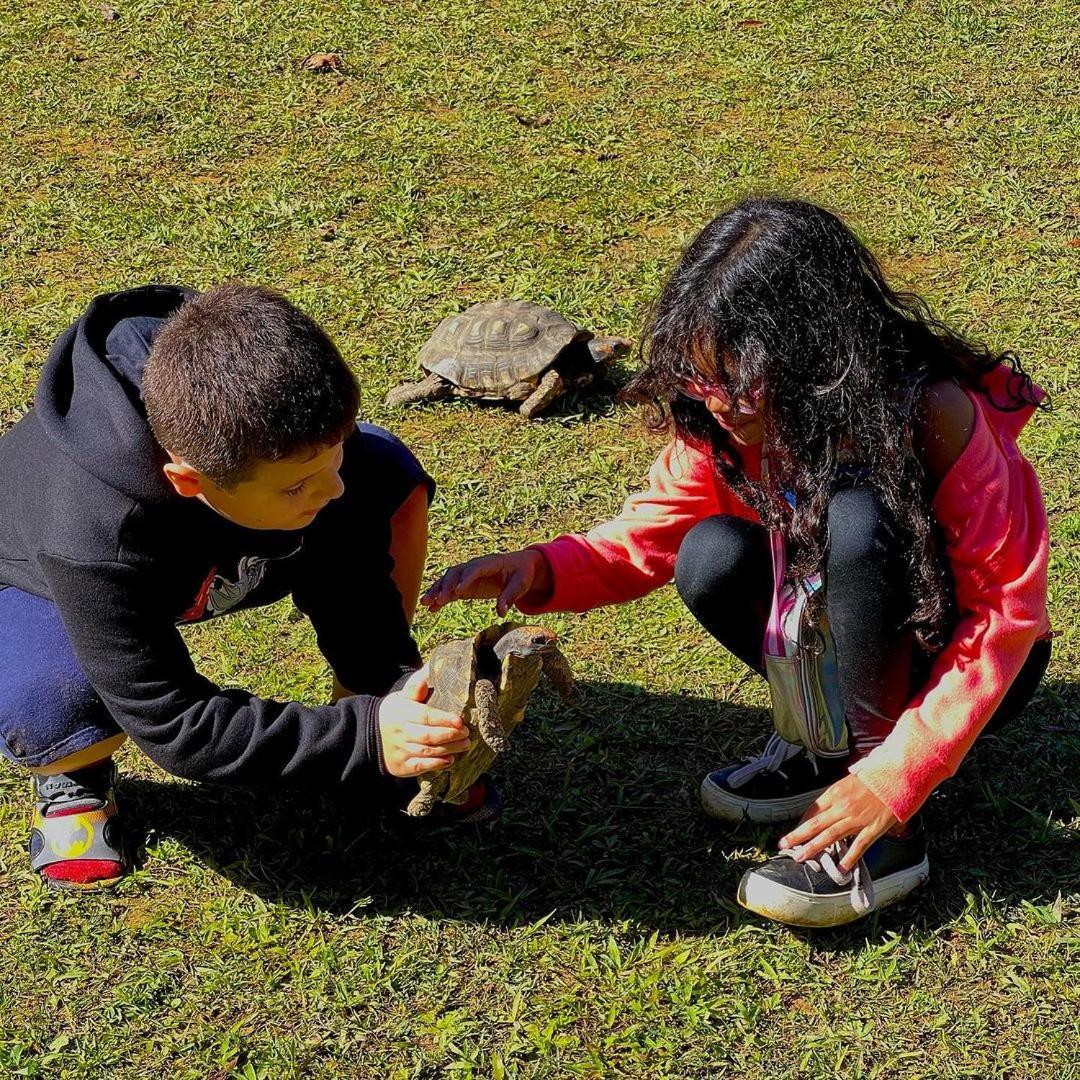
(594, 934)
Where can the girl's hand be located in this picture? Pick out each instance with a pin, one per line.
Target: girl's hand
(507, 577)
(846, 809)
(416, 738)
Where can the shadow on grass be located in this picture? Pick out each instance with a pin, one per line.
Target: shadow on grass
(593, 402)
(602, 822)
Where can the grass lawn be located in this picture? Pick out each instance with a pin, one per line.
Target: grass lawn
(562, 152)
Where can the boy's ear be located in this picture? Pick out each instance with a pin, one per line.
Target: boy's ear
(185, 479)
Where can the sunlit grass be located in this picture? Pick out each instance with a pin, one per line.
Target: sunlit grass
(560, 152)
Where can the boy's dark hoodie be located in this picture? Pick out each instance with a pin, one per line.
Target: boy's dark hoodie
(88, 520)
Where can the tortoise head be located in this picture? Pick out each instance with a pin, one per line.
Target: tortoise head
(525, 641)
(606, 350)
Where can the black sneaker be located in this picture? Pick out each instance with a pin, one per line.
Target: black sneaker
(818, 893)
(778, 785)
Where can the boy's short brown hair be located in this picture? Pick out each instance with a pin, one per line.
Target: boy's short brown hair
(240, 375)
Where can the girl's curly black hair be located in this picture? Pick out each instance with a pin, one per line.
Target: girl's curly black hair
(799, 313)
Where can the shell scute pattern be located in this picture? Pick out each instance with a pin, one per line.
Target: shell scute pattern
(453, 675)
(494, 345)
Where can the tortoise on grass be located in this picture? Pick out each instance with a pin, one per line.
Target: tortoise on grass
(509, 350)
(488, 679)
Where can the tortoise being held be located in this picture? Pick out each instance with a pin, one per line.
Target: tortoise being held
(488, 679)
(509, 350)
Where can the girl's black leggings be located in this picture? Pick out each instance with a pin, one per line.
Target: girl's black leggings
(724, 575)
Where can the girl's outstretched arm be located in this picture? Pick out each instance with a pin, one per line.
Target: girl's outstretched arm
(620, 560)
(510, 578)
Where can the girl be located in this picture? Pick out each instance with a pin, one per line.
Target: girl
(893, 472)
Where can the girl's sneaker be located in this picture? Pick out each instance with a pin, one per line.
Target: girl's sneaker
(818, 893)
(777, 785)
(76, 841)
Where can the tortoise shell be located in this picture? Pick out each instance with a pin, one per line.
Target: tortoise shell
(493, 345)
(453, 675)
(455, 667)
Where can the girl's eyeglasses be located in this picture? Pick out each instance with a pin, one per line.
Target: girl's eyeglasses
(698, 390)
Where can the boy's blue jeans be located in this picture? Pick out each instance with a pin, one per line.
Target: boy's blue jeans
(48, 709)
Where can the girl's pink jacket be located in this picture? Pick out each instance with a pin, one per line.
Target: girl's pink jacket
(990, 507)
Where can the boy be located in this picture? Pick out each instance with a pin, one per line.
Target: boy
(190, 455)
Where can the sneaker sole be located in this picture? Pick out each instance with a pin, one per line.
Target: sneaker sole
(781, 904)
(723, 805)
(99, 885)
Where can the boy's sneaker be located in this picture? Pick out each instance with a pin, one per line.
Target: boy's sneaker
(483, 803)
(818, 893)
(777, 785)
(76, 841)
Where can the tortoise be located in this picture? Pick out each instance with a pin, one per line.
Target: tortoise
(488, 679)
(508, 350)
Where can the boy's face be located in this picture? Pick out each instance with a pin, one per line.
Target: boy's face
(285, 494)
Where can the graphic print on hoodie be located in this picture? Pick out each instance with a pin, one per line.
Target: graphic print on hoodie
(88, 520)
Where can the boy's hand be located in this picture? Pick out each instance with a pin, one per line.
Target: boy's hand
(415, 737)
(507, 576)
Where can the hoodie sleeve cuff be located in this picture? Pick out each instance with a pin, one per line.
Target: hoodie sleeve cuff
(901, 773)
(374, 734)
(367, 722)
(406, 674)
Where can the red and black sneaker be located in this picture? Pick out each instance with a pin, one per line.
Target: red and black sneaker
(483, 803)
(76, 841)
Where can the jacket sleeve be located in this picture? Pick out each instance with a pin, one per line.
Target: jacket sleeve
(634, 553)
(990, 509)
(137, 662)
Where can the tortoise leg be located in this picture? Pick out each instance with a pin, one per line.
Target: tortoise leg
(551, 387)
(519, 391)
(432, 388)
(487, 716)
(557, 669)
(423, 802)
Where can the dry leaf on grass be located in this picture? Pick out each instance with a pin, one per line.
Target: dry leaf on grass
(534, 121)
(321, 62)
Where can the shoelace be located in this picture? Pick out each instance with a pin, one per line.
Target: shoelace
(67, 789)
(776, 752)
(862, 884)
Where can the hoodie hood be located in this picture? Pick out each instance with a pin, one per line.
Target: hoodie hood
(89, 398)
